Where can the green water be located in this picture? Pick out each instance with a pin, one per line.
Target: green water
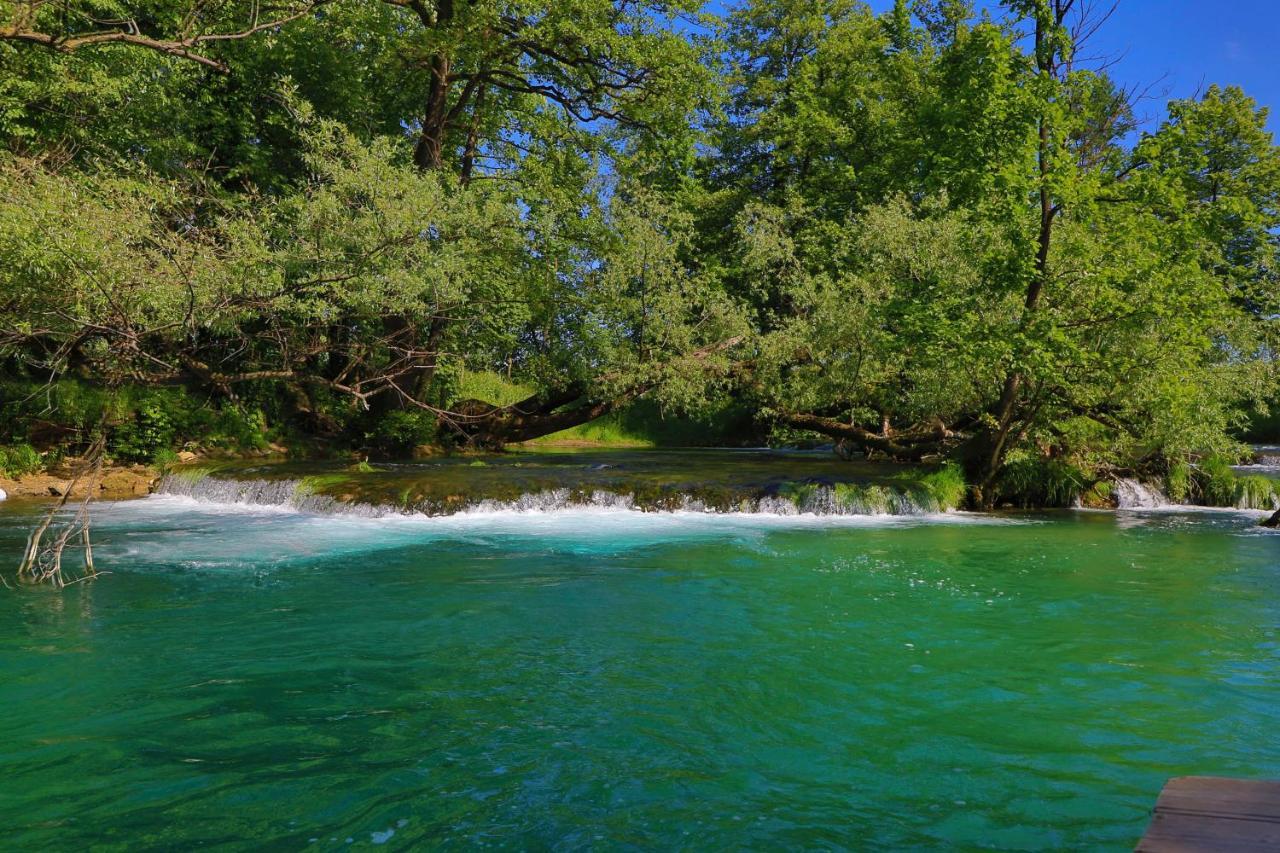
(251, 678)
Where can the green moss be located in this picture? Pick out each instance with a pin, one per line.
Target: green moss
(800, 494)
(320, 483)
(192, 474)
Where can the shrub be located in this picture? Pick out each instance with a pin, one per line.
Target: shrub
(18, 460)
(1178, 482)
(1255, 492)
(945, 486)
(1033, 481)
(1217, 482)
(141, 438)
(400, 431)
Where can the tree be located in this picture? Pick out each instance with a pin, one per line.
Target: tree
(1020, 282)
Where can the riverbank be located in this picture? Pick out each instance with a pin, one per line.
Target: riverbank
(117, 482)
(547, 478)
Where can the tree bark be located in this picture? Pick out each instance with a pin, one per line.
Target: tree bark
(912, 443)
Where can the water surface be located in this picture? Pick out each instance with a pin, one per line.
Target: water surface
(607, 679)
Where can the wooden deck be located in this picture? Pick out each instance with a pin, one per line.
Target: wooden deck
(1210, 813)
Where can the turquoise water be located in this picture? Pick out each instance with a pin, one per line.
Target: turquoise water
(613, 679)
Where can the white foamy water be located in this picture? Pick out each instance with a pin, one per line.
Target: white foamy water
(1134, 494)
(818, 500)
(202, 534)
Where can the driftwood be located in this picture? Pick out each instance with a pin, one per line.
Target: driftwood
(42, 562)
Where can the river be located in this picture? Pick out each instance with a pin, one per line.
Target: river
(595, 677)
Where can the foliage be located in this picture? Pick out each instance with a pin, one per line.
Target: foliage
(914, 232)
(18, 460)
(398, 433)
(946, 486)
(1179, 482)
(1216, 482)
(1028, 480)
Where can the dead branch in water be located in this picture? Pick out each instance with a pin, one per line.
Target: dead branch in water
(42, 560)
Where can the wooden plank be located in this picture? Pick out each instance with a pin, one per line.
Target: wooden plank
(1210, 813)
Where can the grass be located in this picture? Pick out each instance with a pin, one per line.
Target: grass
(1255, 492)
(490, 387)
(608, 431)
(319, 482)
(642, 424)
(946, 486)
(1032, 481)
(19, 459)
(191, 475)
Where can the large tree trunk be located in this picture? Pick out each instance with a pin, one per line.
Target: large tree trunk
(907, 444)
(429, 152)
(995, 444)
(484, 425)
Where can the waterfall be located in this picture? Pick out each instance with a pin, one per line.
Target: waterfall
(292, 494)
(844, 499)
(1134, 494)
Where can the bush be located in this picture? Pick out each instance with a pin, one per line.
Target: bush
(1217, 482)
(1255, 492)
(18, 460)
(142, 437)
(1033, 481)
(400, 431)
(945, 486)
(1178, 482)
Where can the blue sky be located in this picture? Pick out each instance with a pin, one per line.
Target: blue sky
(1178, 46)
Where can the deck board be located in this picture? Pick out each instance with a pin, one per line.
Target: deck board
(1212, 813)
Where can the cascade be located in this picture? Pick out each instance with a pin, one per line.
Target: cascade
(1134, 494)
(812, 499)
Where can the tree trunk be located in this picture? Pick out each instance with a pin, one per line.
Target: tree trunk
(429, 152)
(1006, 411)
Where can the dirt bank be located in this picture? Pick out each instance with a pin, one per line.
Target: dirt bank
(116, 482)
